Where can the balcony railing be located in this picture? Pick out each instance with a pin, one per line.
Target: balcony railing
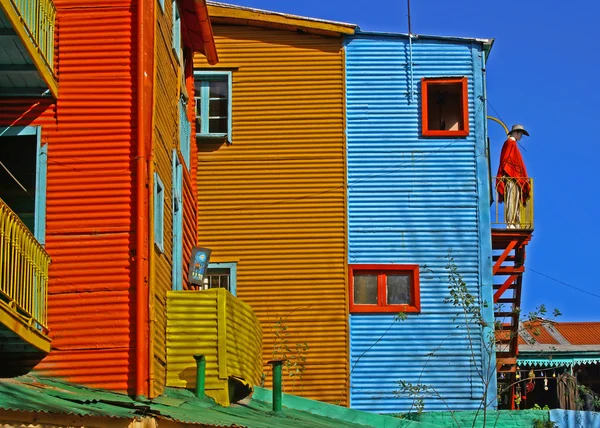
(221, 327)
(38, 17)
(516, 211)
(23, 270)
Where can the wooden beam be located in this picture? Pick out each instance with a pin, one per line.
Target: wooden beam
(504, 287)
(505, 253)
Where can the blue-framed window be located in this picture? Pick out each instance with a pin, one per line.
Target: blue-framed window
(222, 275)
(185, 133)
(159, 213)
(213, 104)
(177, 272)
(177, 32)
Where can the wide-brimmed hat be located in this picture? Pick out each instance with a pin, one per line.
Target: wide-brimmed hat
(518, 128)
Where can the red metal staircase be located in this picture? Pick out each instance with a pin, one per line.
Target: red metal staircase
(508, 252)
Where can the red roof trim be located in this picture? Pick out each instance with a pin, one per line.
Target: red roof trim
(198, 29)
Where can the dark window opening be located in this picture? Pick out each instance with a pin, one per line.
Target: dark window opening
(218, 278)
(18, 155)
(445, 107)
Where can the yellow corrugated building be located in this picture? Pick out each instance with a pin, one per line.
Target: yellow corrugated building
(165, 131)
(271, 184)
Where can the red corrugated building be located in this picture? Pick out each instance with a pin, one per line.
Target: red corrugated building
(96, 146)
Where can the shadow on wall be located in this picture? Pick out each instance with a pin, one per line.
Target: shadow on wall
(238, 389)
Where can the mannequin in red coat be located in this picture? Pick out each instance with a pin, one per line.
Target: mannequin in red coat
(512, 181)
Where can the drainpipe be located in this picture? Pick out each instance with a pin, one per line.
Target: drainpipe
(200, 374)
(141, 204)
(277, 384)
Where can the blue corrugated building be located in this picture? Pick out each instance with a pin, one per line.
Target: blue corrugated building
(418, 190)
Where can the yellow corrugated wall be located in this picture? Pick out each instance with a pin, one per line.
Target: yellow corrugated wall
(165, 138)
(219, 326)
(274, 200)
(243, 339)
(192, 328)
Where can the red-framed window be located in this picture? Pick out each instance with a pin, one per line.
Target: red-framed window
(384, 288)
(445, 107)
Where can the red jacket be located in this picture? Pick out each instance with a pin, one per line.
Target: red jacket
(512, 165)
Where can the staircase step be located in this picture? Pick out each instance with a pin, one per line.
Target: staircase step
(505, 314)
(510, 287)
(503, 354)
(507, 259)
(507, 300)
(509, 270)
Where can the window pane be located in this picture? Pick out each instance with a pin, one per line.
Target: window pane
(218, 89)
(365, 289)
(398, 289)
(197, 88)
(445, 107)
(217, 126)
(218, 108)
(218, 278)
(198, 112)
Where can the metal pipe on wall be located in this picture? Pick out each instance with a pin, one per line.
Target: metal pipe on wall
(277, 384)
(142, 189)
(200, 374)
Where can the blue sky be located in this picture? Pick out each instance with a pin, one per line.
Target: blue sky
(541, 73)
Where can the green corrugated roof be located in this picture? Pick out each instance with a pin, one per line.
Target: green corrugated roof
(37, 394)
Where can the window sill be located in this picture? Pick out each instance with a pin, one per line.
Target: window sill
(392, 309)
(449, 134)
(214, 137)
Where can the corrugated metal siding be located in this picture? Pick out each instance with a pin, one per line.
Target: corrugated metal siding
(192, 326)
(411, 200)
(244, 340)
(222, 328)
(274, 201)
(190, 202)
(166, 131)
(89, 199)
(189, 223)
(577, 333)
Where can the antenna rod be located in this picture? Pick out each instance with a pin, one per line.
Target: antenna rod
(410, 59)
(409, 26)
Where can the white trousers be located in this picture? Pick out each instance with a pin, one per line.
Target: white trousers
(512, 204)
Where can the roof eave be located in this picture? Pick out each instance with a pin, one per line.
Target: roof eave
(208, 38)
(486, 43)
(197, 29)
(230, 14)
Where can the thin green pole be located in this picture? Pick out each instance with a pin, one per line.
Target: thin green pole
(200, 375)
(277, 384)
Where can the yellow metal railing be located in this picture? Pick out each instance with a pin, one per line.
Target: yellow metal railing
(516, 210)
(38, 18)
(23, 268)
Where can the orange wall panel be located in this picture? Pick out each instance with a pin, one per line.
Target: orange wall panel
(274, 200)
(90, 204)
